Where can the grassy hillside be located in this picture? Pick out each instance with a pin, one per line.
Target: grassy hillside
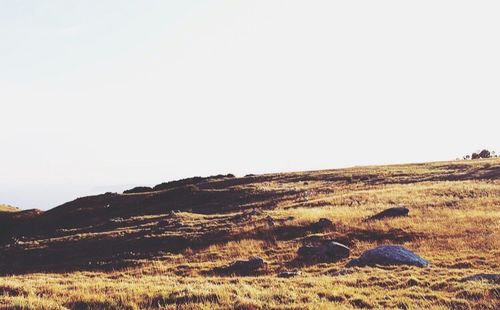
(7, 208)
(159, 247)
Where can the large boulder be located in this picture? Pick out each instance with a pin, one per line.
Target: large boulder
(391, 212)
(242, 267)
(388, 255)
(488, 277)
(328, 251)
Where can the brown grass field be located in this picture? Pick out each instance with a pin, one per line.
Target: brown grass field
(128, 251)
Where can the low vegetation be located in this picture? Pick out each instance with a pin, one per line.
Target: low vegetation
(162, 248)
(480, 155)
(7, 208)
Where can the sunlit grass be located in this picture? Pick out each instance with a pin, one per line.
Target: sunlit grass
(455, 224)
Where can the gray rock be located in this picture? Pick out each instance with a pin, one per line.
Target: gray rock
(391, 212)
(329, 251)
(289, 274)
(488, 277)
(387, 255)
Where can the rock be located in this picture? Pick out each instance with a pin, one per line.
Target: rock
(171, 214)
(329, 251)
(387, 255)
(270, 221)
(289, 274)
(242, 267)
(391, 212)
(322, 224)
(341, 272)
(337, 250)
(117, 220)
(488, 277)
(246, 215)
(178, 223)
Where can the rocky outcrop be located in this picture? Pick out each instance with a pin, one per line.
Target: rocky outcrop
(326, 252)
(387, 255)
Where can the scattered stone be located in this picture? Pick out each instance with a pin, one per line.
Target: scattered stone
(242, 267)
(117, 220)
(322, 224)
(391, 212)
(270, 221)
(341, 272)
(172, 213)
(329, 251)
(488, 277)
(387, 255)
(246, 215)
(178, 223)
(289, 274)
(254, 212)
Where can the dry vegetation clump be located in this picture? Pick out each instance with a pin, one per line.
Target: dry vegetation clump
(158, 249)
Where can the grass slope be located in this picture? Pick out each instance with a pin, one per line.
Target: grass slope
(7, 208)
(129, 251)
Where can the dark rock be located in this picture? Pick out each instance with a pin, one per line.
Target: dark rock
(329, 251)
(391, 212)
(242, 267)
(488, 277)
(178, 223)
(309, 251)
(172, 213)
(341, 272)
(246, 215)
(289, 274)
(270, 221)
(322, 224)
(337, 250)
(387, 255)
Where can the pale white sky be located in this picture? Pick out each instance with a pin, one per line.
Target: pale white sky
(105, 95)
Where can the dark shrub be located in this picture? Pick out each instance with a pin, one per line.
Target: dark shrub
(482, 154)
(138, 189)
(189, 181)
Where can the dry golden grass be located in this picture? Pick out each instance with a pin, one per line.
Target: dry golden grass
(7, 208)
(453, 223)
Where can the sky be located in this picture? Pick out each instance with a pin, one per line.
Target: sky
(100, 96)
